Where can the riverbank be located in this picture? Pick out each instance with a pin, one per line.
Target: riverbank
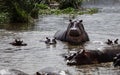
(3, 18)
(68, 11)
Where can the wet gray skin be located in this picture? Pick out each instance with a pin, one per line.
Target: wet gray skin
(11, 72)
(45, 71)
(74, 34)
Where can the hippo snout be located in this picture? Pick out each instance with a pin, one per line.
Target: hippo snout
(74, 33)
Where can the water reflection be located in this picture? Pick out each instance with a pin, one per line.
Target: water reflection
(94, 70)
(50, 46)
(17, 26)
(11, 50)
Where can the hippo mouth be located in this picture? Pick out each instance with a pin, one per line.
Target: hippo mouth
(74, 33)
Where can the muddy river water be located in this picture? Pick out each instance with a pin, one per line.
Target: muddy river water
(37, 55)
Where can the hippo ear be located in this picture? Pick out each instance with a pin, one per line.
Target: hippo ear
(70, 20)
(116, 39)
(83, 51)
(37, 73)
(81, 21)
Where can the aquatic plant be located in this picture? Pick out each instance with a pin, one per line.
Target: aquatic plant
(92, 10)
(42, 6)
(68, 10)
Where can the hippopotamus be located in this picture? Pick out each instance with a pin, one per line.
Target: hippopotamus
(18, 42)
(50, 41)
(110, 42)
(74, 34)
(11, 72)
(84, 57)
(51, 71)
(116, 61)
(45, 71)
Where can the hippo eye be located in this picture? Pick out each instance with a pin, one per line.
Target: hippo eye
(71, 24)
(37, 73)
(79, 26)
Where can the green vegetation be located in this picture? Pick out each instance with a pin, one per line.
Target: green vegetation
(19, 10)
(44, 9)
(3, 17)
(70, 3)
(23, 11)
(68, 11)
(42, 6)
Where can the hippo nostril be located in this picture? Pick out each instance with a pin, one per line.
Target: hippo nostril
(74, 33)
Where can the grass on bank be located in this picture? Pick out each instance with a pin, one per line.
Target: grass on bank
(68, 11)
(3, 17)
(45, 10)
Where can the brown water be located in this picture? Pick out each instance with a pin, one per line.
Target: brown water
(38, 55)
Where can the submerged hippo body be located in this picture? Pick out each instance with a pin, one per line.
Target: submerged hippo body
(18, 43)
(92, 56)
(45, 71)
(11, 72)
(116, 61)
(74, 34)
(51, 71)
(50, 41)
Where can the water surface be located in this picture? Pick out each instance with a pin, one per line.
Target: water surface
(38, 55)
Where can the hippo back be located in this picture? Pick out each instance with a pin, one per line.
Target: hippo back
(61, 35)
(94, 56)
(51, 71)
(11, 72)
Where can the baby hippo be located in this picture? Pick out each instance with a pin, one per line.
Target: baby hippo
(50, 41)
(18, 42)
(45, 71)
(51, 71)
(110, 42)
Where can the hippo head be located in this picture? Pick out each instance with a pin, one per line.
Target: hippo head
(75, 32)
(80, 58)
